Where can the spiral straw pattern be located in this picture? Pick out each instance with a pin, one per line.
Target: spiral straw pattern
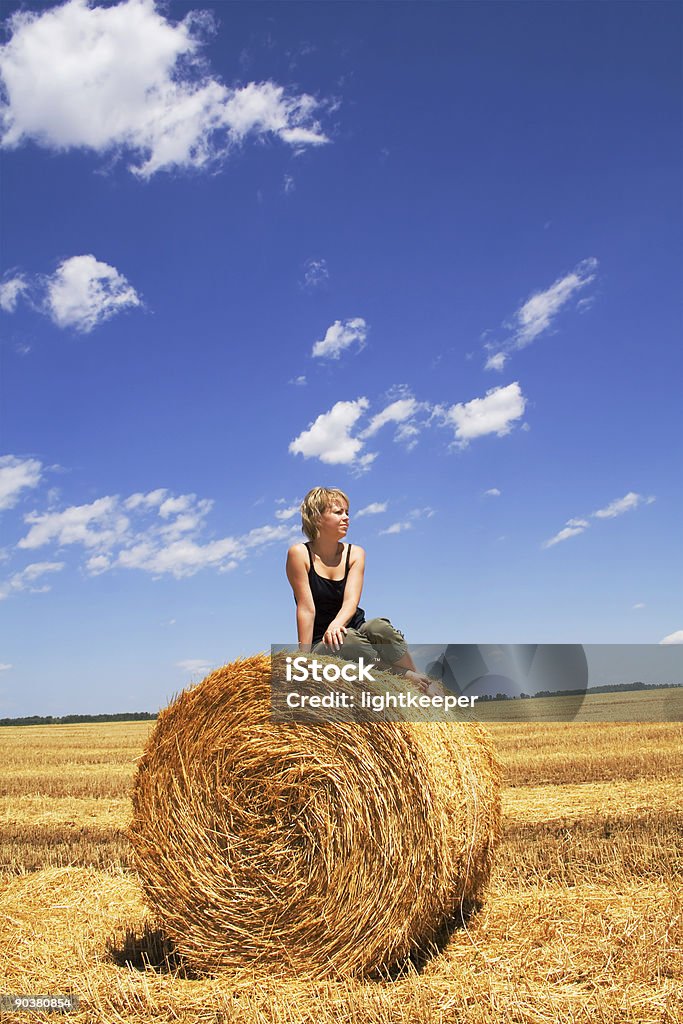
(315, 849)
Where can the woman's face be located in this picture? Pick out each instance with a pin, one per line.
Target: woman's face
(334, 522)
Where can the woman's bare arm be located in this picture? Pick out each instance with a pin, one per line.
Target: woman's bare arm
(297, 574)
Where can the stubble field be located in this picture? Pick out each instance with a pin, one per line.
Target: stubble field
(583, 919)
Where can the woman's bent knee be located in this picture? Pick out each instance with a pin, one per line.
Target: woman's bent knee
(354, 644)
(389, 640)
(382, 629)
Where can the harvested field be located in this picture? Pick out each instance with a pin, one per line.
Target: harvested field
(663, 704)
(583, 921)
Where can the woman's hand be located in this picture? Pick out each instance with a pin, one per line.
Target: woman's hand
(334, 635)
(420, 680)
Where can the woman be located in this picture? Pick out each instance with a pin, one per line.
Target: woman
(326, 576)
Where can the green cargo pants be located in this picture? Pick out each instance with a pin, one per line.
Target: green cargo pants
(376, 640)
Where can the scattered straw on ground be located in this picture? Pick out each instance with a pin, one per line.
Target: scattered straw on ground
(582, 923)
(583, 800)
(602, 953)
(51, 810)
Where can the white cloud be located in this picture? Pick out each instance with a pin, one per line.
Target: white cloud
(332, 437)
(194, 665)
(316, 274)
(300, 381)
(373, 509)
(418, 513)
(10, 291)
(172, 506)
(397, 412)
(155, 532)
(32, 572)
(493, 414)
(492, 492)
(17, 475)
(26, 579)
(264, 107)
(538, 313)
(497, 361)
(287, 513)
(98, 525)
(84, 292)
(4, 666)
(402, 412)
(621, 505)
(266, 535)
(329, 437)
(180, 558)
(288, 184)
(673, 638)
(171, 543)
(364, 462)
(407, 524)
(98, 564)
(189, 513)
(408, 433)
(152, 499)
(639, 605)
(397, 528)
(124, 78)
(573, 528)
(616, 508)
(187, 556)
(299, 137)
(340, 336)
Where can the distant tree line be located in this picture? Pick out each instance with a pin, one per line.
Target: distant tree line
(122, 716)
(148, 716)
(605, 688)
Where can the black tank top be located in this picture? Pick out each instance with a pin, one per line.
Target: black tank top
(328, 597)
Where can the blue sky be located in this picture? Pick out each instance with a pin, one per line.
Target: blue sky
(428, 253)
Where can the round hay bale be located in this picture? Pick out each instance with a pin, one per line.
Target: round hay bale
(318, 849)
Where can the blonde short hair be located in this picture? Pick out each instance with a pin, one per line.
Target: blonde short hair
(315, 504)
